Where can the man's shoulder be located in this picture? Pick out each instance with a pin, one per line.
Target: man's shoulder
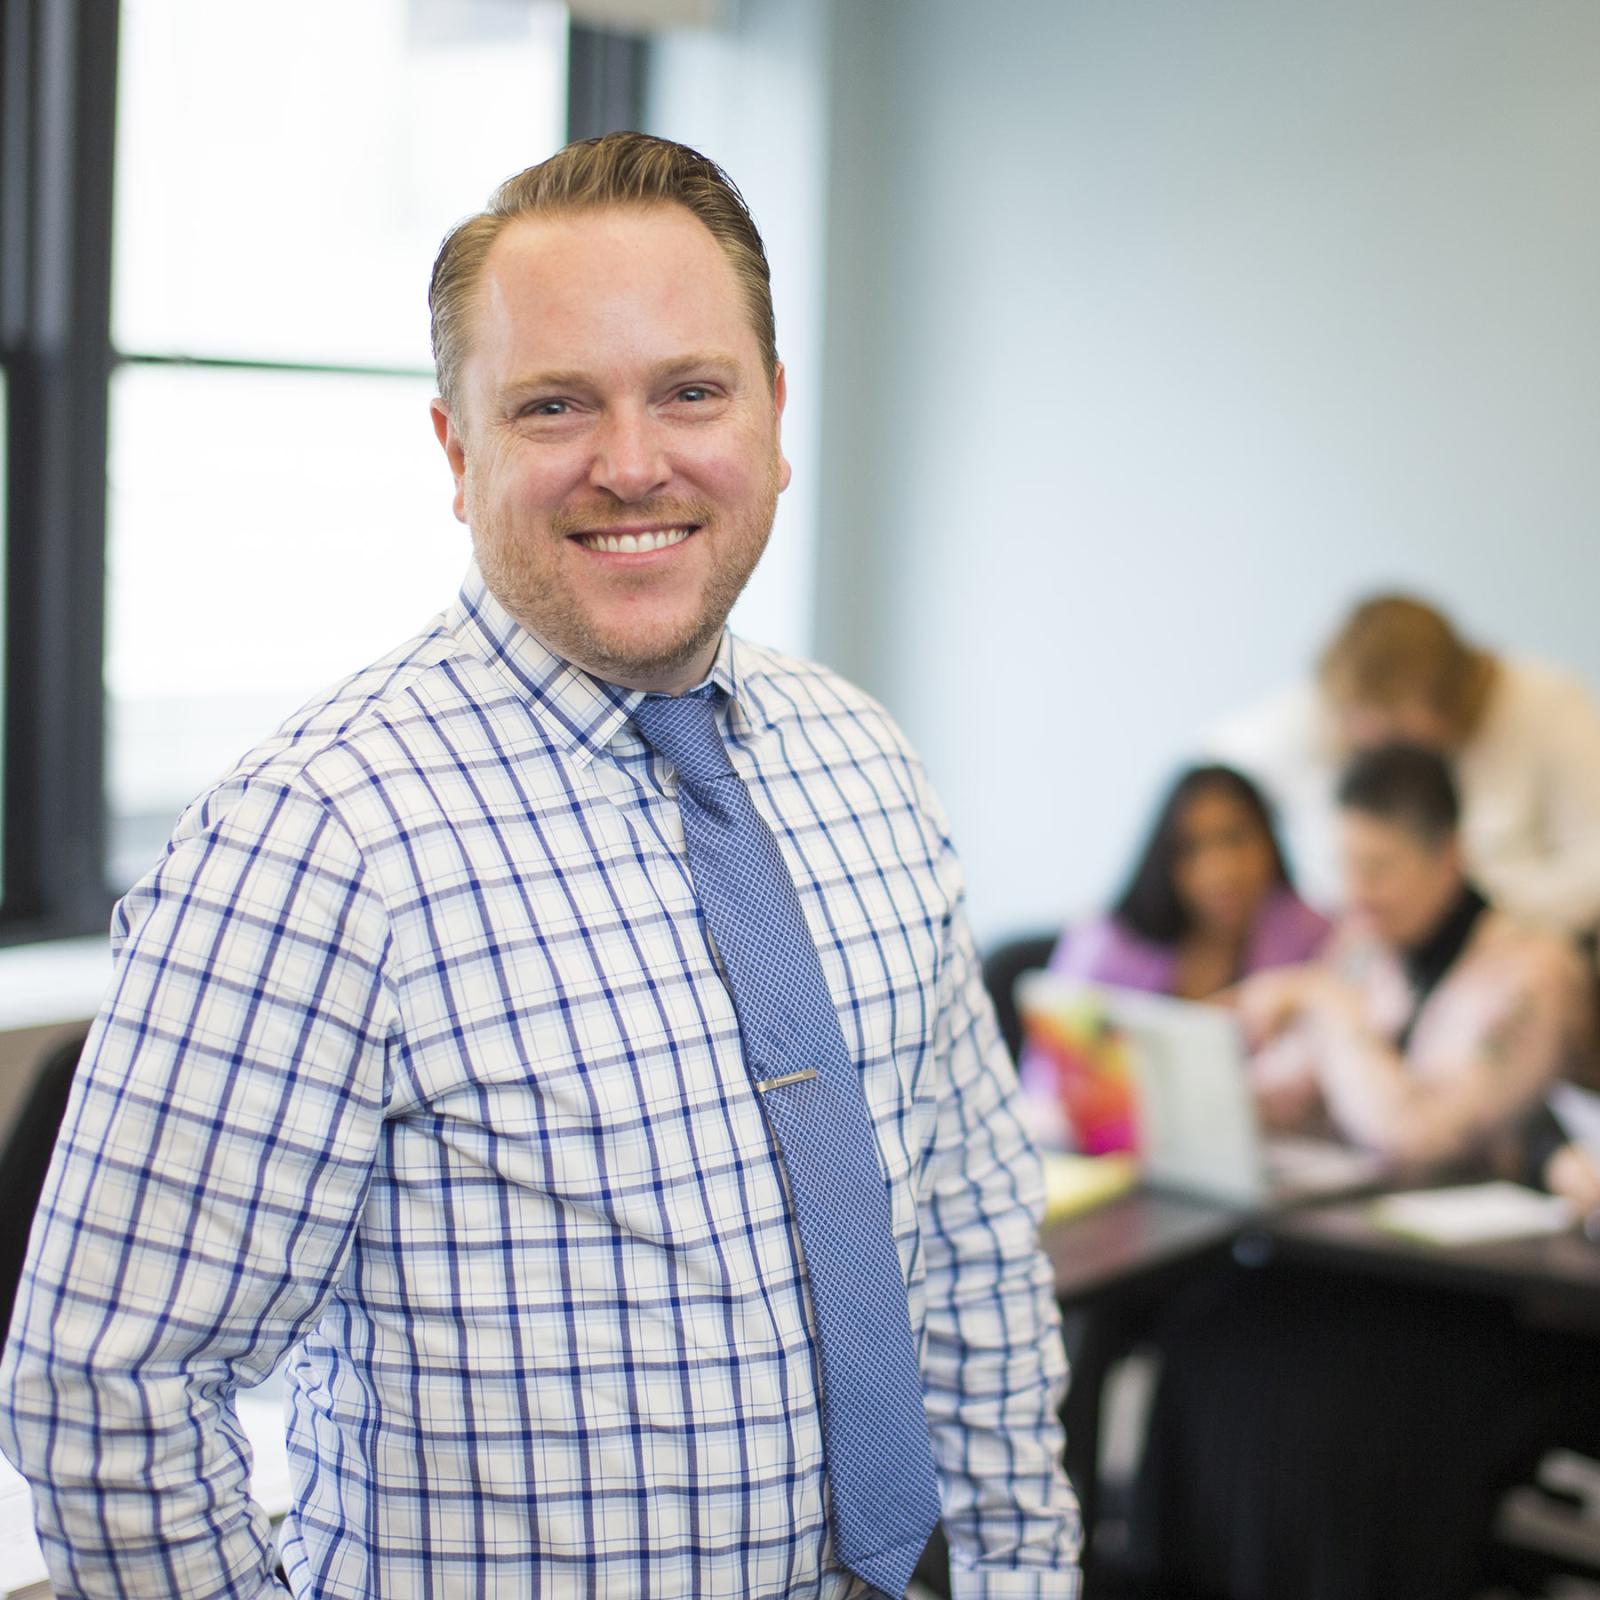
(371, 722)
(1527, 949)
(1531, 692)
(791, 689)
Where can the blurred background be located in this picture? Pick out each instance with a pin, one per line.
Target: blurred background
(1129, 341)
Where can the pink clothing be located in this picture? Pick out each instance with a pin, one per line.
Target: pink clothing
(1286, 932)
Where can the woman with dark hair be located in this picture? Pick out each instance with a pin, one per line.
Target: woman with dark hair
(1208, 904)
(1209, 901)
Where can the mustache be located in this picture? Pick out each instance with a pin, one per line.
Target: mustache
(667, 513)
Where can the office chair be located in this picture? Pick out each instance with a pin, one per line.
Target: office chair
(1001, 968)
(26, 1160)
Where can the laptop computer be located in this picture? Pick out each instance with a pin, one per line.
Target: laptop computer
(1192, 1120)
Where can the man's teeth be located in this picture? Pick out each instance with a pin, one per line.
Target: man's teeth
(627, 544)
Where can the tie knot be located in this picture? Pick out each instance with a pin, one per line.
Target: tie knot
(682, 729)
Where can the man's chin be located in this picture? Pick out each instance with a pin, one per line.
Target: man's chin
(668, 663)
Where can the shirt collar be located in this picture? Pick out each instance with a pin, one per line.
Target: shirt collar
(583, 712)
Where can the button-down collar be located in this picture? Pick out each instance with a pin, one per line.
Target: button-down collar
(585, 713)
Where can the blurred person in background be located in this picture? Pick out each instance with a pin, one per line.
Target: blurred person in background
(1209, 900)
(1305, 1438)
(1562, 1164)
(1434, 1021)
(1524, 739)
(1572, 1173)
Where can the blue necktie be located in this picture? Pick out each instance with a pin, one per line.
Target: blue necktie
(880, 1464)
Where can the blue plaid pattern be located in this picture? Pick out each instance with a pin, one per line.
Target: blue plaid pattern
(417, 1067)
(880, 1469)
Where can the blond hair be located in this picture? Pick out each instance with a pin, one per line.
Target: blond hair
(634, 170)
(1393, 648)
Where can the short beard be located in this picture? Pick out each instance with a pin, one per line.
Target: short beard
(565, 627)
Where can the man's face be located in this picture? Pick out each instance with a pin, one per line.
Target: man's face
(1397, 885)
(615, 444)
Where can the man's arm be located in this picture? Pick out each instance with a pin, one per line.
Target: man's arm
(213, 1160)
(994, 1364)
(1283, 1067)
(1419, 1119)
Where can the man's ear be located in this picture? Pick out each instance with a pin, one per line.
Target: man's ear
(455, 452)
(780, 398)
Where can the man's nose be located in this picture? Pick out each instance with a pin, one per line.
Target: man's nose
(630, 459)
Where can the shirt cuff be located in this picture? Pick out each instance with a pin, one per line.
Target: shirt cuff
(1038, 1584)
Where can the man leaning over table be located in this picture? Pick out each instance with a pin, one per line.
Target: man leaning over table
(564, 1039)
(1433, 1021)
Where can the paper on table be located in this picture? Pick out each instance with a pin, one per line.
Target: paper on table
(1075, 1184)
(1578, 1112)
(1476, 1214)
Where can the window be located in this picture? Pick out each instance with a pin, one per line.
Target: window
(216, 374)
(4, 387)
(275, 526)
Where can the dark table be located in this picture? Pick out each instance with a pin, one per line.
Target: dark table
(1557, 1276)
(1133, 1243)
(1114, 1266)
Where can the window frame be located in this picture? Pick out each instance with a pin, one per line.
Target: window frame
(58, 116)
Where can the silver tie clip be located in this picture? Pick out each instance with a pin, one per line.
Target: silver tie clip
(763, 1084)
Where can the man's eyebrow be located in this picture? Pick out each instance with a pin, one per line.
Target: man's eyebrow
(570, 378)
(664, 371)
(700, 361)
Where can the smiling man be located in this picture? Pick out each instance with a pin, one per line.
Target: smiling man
(564, 1041)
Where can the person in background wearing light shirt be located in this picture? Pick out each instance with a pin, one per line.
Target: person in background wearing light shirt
(1524, 739)
(564, 1041)
(1304, 1437)
(1433, 1022)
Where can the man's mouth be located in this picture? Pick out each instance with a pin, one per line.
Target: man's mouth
(629, 544)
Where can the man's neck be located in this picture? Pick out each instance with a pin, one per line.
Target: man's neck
(668, 680)
(1428, 959)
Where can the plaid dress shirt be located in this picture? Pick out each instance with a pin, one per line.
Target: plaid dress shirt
(418, 1069)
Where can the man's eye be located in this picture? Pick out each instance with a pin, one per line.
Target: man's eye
(548, 408)
(695, 391)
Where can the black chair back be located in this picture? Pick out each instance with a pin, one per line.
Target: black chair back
(1001, 968)
(26, 1160)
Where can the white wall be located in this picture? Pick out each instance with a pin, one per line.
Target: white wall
(754, 97)
(1157, 330)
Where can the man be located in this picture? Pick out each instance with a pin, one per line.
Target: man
(1524, 738)
(1434, 1021)
(565, 1039)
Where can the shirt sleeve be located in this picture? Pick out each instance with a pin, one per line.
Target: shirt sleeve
(202, 1198)
(994, 1362)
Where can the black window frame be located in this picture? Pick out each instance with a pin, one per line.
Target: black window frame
(58, 98)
